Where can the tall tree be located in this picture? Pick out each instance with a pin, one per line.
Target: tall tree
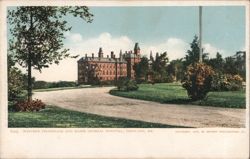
(217, 63)
(236, 64)
(141, 69)
(240, 63)
(159, 65)
(175, 69)
(37, 35)
(193, 54)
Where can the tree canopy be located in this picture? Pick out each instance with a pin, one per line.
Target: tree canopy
(37, 35)
(192, 55)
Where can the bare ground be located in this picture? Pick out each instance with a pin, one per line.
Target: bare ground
(99, 101)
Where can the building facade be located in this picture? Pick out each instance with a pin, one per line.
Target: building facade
(100, 68)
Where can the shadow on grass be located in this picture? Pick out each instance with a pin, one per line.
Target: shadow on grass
(53, 117)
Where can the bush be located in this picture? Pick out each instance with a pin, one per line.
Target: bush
(126, 84)
(40, 85)
(34, 105)
(107, 82)
(61, 84)
(15, 83)
(197, 80)
(227, 82)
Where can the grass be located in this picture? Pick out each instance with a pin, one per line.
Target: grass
(65, 88)
(174, 93)
(54, 117)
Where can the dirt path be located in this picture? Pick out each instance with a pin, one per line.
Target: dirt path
(99, 101)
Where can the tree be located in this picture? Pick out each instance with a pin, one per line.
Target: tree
(141, 69)
(229, 66)
(236, 64)
(37, 35)
(217, 63)
(240, 63)
(15, 82)
(175, 69)
(193, 54)
(159, 66)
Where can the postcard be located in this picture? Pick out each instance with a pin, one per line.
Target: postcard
(124, 79)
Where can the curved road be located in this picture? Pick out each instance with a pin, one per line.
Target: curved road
(99, 101)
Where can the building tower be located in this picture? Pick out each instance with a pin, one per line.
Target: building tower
(133, 58)
(137, 49)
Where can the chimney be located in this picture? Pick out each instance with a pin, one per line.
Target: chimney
(112, 54)
(92, 55)
(120, 55)
(100, 53)
(86, 56)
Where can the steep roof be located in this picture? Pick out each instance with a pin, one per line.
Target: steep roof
(103, 59)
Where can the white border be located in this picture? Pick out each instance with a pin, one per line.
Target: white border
(36, 143)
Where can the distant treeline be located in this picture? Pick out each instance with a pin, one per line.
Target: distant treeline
(44, 84)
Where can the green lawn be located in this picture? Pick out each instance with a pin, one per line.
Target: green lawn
(61, 88)
(174, 93)
(65, 88)
(52, 117)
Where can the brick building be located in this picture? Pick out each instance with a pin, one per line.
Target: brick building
(91, 69)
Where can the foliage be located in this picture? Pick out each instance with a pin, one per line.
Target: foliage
(15, 83)
(217, 63)
(126, 84)
(174, 93)
(61, 84)
(158, 72)
(193, 54)
(141, 70)
(227, 82)
(34, 105)
(197, 80)
(45, 85)
(110, 82)
(236, 64)
(55, 117)
(175, 70)
(37, 33)
(41, 85)
(15, 80)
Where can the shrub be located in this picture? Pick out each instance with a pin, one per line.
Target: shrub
(15, 83)
(107, 82)
(40, 85)
(197, 80)
(227, 82)
(126, 84)
(61, 84)
(34, 105)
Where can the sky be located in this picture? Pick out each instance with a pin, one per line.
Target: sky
(156, 29)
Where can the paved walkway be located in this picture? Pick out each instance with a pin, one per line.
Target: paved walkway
(99, 101)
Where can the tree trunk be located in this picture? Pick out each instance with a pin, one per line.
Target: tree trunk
(29, 63)
(29, 80)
